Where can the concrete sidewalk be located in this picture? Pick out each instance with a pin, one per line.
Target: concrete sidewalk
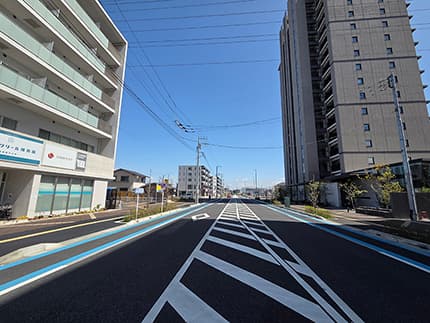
(418, 231)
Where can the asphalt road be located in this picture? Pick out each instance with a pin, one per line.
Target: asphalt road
(239, 262)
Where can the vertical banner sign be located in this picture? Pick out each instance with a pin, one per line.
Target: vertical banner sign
(21, 149)
(81, 161)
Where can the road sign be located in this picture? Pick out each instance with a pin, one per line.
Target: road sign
(159, 189)
(139, 190)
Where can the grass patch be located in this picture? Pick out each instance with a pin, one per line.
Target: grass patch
(153, 209)
(318, 211)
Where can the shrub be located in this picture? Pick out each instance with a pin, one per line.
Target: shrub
(317, 211)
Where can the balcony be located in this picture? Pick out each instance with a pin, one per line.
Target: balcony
(16, 34)
(55, 104)
(91, 26)
(64, 37)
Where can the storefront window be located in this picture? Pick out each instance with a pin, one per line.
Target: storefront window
(87, 194)
(61, 194)
(75, 195)
(46, 194)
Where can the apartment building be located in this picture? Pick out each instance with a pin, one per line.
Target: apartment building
(188, 181)
(337, 108)
(61, 68)
(216, 186)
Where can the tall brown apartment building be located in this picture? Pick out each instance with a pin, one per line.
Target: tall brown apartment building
(338, 112)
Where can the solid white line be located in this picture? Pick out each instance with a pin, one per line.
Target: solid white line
(231, 224)
(254, 223)
(235, 233)
(320, 300)
(295, 302)
(259, 230)
(345, 308)
(156, 308)
(190, 307)
(253, 252)
(273, 243)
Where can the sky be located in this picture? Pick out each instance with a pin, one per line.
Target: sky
(220, 83)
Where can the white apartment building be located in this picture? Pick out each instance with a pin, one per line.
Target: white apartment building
(187, 181)
(61, 68)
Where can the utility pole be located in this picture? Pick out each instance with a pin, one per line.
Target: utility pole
(406, 165)
(198, 149)
(149, 189)
(256, 183)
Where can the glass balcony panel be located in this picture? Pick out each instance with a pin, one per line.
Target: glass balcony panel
(26, 87)
(20, 36)
(65, 32)
(88, 22)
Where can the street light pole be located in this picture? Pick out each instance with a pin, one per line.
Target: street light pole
(406, 165)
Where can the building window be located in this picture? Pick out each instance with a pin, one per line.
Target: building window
(9, 123)
(356, 53)
(382, 11)
(44, 134)
(404, 125)
(362, 95)
(353, 26)
(368, 143)
(348, 2)
(380, 1)
(63, 195)
(387, 37)
(360, 81)
(354, 39)
(385, 23)
(371, 160)
(358, 67)
(401, 109)
(392, 64)
(125, 178)
(407, 143)
(389, 51)
(398, 93)
(366, 127)
(364, 111)
(351, 13)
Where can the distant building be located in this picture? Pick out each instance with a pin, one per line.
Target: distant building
(338, 112)
(188, 178)
(127, 180)
(62, 67)
(216, 186)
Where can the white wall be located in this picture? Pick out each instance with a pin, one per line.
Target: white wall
(99, 194)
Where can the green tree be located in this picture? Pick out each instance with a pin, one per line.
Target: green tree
(383, 184)
(313, 191)
(352, 191)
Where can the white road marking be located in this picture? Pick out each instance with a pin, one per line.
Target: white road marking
(190, 307)
(259, 230)
(231, 224)
(254, 223)
(235, 233)
(254, 252)
(306, 269)
(200, 216)
(295, 302)
(192, 304)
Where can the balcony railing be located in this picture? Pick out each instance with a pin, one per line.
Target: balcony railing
(18, 34)
(91, 25)
(52, 20)
(24, 86)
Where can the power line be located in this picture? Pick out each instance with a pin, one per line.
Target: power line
(211, 43)
(210, 63)
(205, 26)
(188, 6)
(204, 16)
(208, 38)
(178, 113)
